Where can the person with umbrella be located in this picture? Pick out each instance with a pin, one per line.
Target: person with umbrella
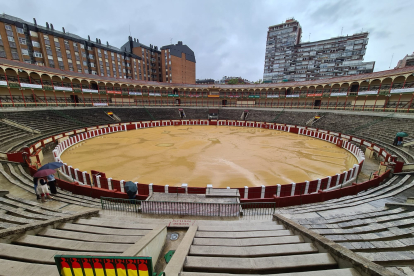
(51, 178)
(40, 181)
(399, 138)
(131, 189)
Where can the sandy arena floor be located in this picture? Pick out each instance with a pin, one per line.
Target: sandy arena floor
(200, 155)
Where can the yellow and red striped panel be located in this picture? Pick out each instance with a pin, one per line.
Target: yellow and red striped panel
(75, 269)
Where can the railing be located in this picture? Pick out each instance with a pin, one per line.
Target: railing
(120, 204)
(188, 208)
(257, 208)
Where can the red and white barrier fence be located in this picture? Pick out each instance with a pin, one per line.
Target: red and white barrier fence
(304, 188)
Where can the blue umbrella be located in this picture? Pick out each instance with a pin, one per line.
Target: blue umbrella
(402, 134)
(131, 189)
(53, 166)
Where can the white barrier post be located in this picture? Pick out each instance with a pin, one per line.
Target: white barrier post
(346, 174)
(329, 182)
(166, 188)
(185, 186)
(121, 183)
(209, 187)
(338, 176)
(150, 188)
(70, 172)
(319, 185)
(278, 190)
(292, 193)
(98, 180)
(306, 187)
(64, 169)
(262, 194)
(85, 181)
(136, 183)
(356, 170)
(109, 183)
(76, 174)
(246, 192)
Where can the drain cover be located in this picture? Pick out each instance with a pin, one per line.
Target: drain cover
(174, 236)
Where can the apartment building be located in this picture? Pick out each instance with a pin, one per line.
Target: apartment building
(150, 64)
(45, 46)
(178, 64)
(408, 60)
(287, 59)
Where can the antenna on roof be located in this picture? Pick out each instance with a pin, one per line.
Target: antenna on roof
(171, 40)
(391, 60)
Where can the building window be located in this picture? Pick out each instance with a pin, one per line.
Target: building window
(22, 40)
(25, 52)
(37, 54)
(19, 30)
(84, 63)
(36, 44)
(8, 27)
(10, 38)
(34, 34)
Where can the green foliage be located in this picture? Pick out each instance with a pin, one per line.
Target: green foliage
(233, 81)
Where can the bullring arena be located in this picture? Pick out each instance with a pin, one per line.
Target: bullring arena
(268, 179)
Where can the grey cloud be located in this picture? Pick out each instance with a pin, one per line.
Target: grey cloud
(228, 37)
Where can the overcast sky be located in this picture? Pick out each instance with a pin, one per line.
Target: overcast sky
(228, 37)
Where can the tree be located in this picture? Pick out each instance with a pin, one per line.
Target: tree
(259, 81)
(233, 81)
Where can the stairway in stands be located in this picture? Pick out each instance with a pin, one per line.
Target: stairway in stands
(263, 247)
(376, 224)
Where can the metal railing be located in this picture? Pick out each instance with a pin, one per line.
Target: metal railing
(257, 208)
(120, 204)
(188, 208)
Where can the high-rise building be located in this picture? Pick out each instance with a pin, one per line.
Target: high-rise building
(408, 60)
(287, 59)
(45, 46)
(178, 63)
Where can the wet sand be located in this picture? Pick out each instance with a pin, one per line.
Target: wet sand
(200, 155)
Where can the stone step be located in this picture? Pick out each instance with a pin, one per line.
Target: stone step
(69, 245)
(102, 230)
(389, 257)
(37, 255)
(391, 233)
(248, 242)
(120, 224)
(234, 223)
(23, 213)
(77, 236)
(252, 251)
(243, 235)
(13, 268)
(241, 228)
(329, 272)
(319, 261)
